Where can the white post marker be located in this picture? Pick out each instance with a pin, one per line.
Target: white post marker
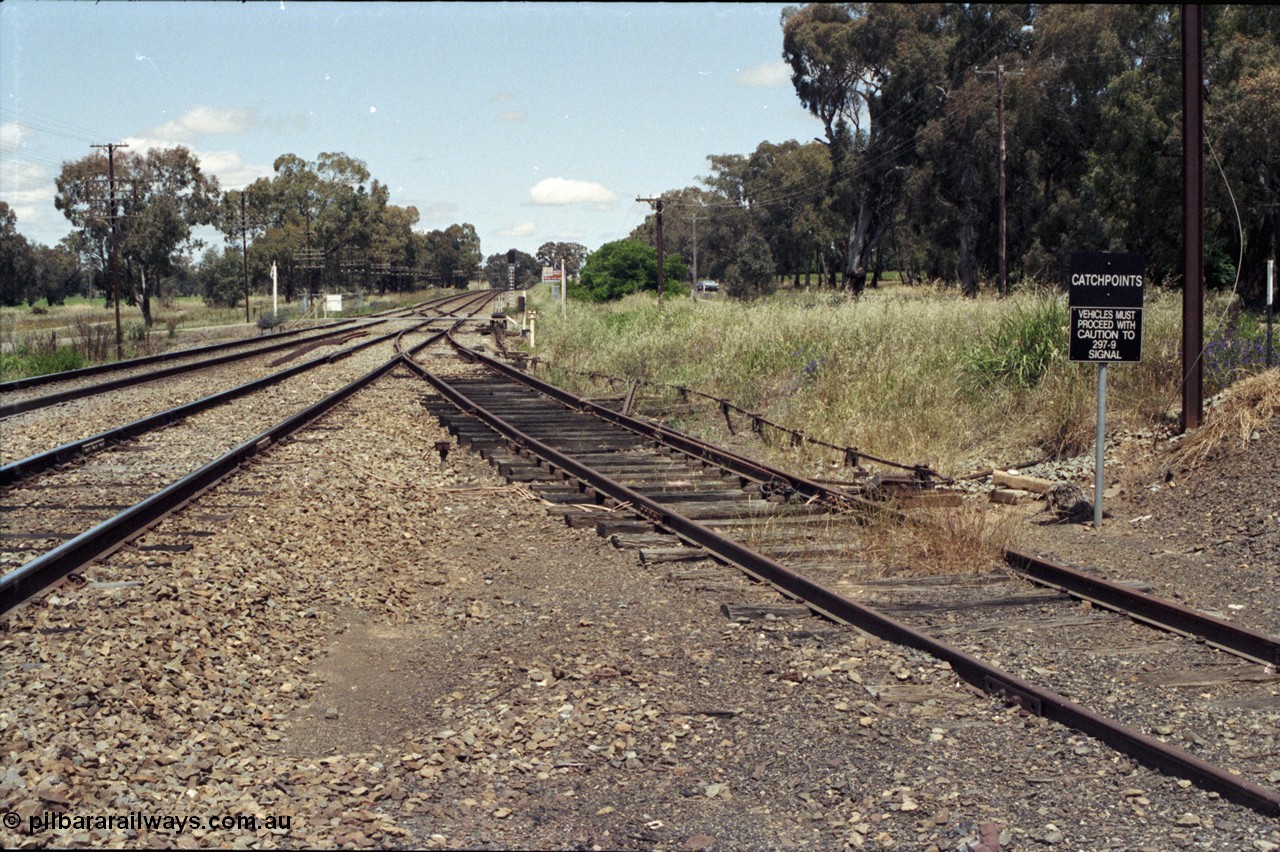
(1105, 302)
(275, 307)
(1271, 286)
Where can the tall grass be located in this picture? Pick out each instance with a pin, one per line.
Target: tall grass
(912, 374)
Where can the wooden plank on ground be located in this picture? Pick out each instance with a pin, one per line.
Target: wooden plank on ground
(757, 612)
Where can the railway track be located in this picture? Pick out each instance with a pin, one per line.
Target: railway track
(677, 499)
(84, 410)
(36, 392)
(83, 499)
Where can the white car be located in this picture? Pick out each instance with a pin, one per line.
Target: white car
(708, 286)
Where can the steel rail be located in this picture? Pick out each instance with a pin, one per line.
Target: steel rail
(129, 363)
(21, 469)
(127, 381)
(105, 538)
(665, 435)
(982, 675)
(275, 344)
(1149, 609)
(1235, 639)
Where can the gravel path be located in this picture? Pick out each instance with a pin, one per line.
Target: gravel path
(395, 656)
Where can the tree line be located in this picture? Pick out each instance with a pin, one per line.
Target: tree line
(905, 175)
(327, 225)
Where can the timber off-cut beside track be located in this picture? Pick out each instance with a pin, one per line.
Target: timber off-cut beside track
(655, 723)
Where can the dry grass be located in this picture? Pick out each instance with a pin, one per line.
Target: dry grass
(928, 542)
(890, 374)
(933, 542)
(1249, 406)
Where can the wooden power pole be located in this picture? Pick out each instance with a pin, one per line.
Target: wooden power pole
(111, 218)
(1002, 283)
(656, 204)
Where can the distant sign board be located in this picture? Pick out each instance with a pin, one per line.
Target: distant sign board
(550, 275)
(1105, 300)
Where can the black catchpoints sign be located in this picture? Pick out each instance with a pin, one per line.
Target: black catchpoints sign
(1105, 300)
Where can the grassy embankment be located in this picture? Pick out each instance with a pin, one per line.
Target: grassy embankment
(914, 375)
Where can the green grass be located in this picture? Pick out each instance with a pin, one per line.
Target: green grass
(912, 374)
(27, 362)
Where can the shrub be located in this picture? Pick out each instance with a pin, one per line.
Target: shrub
(623, 267)
(1236, 352)
(268, 320)
(1020, 349)
(38, 362)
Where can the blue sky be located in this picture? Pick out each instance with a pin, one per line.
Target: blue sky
(531, 121)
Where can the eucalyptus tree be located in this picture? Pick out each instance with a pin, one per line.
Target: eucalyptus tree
(451, 255)
(16, 259)
(528, 269)
(572, 254)
(315, 215)
(160, 196)
(876, 75)
(1243, 132)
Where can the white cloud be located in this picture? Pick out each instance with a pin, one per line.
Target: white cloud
(436, 214)
(231, 169)
(27, 185)
(524, 229)
(190, 128)
(514, 116)
(198, 122)
(765, 75)
(561, 191)
(12, 136)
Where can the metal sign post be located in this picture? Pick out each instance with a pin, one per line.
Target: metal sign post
(1105, 301)
(1099, 444)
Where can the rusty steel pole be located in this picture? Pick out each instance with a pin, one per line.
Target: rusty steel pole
(1192, 217)
(660, 251)
(1003, 283)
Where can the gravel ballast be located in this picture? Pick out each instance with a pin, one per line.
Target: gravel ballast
(396, 656)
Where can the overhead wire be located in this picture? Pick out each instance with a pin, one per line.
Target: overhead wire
(1235, 287)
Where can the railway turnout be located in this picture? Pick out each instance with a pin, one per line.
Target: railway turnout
(675, 501)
